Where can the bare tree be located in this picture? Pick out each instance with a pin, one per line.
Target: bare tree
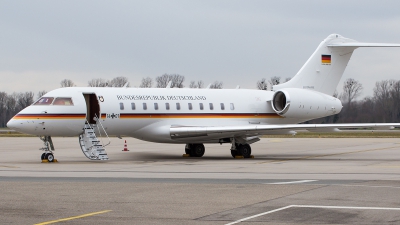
(118, 82)
(67, 83)
(176, 80)
(192, 84)
(395, 96)
(335, 94)
(216, 85)
(274, 81)
(11, 106)
(146, 82)
(41, 93)
(3, 109)
(163, 80)
(198, 84)
(24, 99)
(262, 84)
(97, 82)
(382, 98)
(351, 90)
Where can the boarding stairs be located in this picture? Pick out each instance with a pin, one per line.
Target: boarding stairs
(91, 146)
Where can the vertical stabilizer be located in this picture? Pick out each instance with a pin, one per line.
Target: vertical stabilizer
(325, 67)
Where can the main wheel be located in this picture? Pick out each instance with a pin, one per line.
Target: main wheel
(188, 150)
(244, 150)
(43, 156)
(197, 150)
(50, 157)
(234, 153)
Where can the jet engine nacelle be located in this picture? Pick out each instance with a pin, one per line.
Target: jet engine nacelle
(303, 103)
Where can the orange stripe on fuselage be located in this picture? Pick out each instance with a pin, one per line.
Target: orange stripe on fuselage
(48, 116)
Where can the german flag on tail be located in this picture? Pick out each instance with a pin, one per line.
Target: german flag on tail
(326, 59)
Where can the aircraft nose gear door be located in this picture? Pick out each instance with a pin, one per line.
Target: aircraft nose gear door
(91, 146)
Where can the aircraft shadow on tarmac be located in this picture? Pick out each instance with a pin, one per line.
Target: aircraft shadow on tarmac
(151, 156)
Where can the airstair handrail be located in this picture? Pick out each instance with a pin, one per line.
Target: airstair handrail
(97, 119)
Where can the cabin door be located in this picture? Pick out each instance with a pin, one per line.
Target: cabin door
(92, 108)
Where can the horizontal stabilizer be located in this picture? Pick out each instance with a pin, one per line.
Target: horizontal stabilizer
(362, 44)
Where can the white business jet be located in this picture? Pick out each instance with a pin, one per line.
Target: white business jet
(196, 116)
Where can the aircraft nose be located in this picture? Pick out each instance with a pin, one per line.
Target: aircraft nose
(12, 124)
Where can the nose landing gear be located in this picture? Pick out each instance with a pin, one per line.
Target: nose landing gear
(48, 149)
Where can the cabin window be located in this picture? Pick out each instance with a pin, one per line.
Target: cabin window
(211, 106)
(232, 106)
(44, 101)
(167, 106)
(133, 106)
(201, 106)
(63, 101)
(121, 106)
(222, 106)
(178, 106)
(190, 106)
(156, 106)
(144, 106)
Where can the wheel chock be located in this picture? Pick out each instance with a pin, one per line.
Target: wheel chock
(251, 156)
(239, 157)
(185, 155)
(47, 161)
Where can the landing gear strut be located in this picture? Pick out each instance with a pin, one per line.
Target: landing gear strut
(48, 149)
(195, 150)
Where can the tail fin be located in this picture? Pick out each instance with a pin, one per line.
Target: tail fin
(325, 67)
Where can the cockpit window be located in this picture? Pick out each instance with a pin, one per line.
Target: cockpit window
(44, 101)
(63, 101)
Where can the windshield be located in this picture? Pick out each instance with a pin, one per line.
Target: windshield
(63, 101)
(44, 101)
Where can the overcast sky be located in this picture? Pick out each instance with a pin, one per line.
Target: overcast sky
(237, 42)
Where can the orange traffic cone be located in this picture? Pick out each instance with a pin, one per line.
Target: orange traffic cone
(125, 147)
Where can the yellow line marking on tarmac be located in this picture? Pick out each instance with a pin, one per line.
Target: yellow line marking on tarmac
(334, 154)
(8, 166)
(73, 217)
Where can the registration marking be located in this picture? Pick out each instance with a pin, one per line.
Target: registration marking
(73, 217)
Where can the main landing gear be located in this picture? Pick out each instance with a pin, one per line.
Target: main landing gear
(48, 149)
(243, 150)
(194, 150)
(237, 150)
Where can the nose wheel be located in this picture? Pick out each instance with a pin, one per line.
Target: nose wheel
(48, 149)
(47, 156)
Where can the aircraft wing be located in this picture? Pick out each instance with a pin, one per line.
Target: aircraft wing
(362, 44)
(253, 130)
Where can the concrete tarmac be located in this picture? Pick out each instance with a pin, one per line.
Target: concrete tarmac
(290, 181)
